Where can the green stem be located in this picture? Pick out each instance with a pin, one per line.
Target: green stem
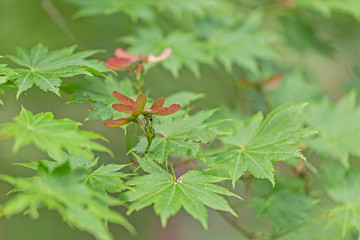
(137, 84)
(140, 79)
(137, 122)
(147, 134)
(148, 145)
(173, 171)
(129, 135)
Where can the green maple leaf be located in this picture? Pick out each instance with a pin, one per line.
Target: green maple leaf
(76, 160)
(285, 210)
(134, 9)
(302, 34)
(287, 91)
(99, 93)
(83, 161)
(326, 7)
(184, 98)
(5, 72)
(104, 178)
(51, 135)
(187, 50)
(60, 189)
(242, 44)
(338, 127)
(143, 9)
(344, 189)
(179, 135)
(192, 191)
(259, 142)
(196, 7)
(108, 178)
(45, 69)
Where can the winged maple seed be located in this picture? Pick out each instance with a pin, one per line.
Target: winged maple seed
(137, 107)
(124, 60)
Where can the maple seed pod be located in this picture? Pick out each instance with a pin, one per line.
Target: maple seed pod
(137, 107)
(124, 60)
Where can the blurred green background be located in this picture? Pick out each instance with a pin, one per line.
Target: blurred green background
(25, 23)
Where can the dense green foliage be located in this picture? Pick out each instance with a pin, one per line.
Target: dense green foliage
(278, 143)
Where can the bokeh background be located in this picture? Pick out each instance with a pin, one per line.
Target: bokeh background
(322, 49)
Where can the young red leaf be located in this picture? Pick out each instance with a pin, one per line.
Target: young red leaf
(122, 98)
(121, 53)
(163, 111)
(139, 104)
(139, 68)
(117, 122)
(165, 54)
(119, 64)
(273, 82)
(158, 102)
(123, 108)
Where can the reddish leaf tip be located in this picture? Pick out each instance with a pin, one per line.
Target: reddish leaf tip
(122, 98)
(118, 64)
(164, 111)
(117, 123)
(125, 108)
(163, 55)
(121, 53)
(158, 102)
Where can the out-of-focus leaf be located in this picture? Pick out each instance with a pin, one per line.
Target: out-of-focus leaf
(285, 210)
(5, 72)
(143, 9)
(184, 98)
(344, 189)
(302, 34)
(338, 126)
(187, 50)
(239, 43)
(295, 89)
(60, 189)
(326, 7)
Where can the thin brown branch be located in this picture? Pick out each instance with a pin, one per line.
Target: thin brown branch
(59, 20)
(232, 221)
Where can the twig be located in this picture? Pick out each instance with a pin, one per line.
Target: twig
(184, 161)
(233, 223)
(266, 97)
(59, 19)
